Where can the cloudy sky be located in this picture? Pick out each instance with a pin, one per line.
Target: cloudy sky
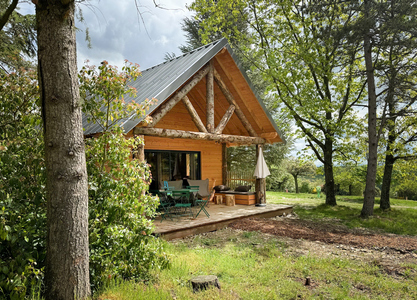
(121, 30)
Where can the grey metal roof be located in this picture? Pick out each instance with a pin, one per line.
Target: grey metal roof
(162, 80)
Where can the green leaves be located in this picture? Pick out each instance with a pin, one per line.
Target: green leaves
(121, 244)
(22, 186)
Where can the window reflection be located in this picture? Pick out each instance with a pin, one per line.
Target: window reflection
(172, 165)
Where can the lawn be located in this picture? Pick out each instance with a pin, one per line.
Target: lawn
(401, 219)
(252, 265)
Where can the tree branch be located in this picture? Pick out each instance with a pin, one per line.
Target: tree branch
(5, 17)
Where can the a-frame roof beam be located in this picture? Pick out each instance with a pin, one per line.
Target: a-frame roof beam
(232, 101)
(166, 107)
(194, 115)
(225, 119)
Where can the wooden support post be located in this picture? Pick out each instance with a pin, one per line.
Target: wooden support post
(224, 164)
(260, 184)
(166, 107)
(194, 115)
(140, 149)
(210, 99)
(221, 138)
(225, 119)
(231, 100)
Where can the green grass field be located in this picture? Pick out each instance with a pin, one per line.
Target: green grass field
(251, 265)
(401, 219)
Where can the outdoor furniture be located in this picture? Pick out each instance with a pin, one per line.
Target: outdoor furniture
(182, 206)
(230, 200)
(202, 207)
(218, 199)
(244, 198)
(165, 206)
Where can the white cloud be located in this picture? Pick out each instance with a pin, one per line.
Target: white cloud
(119, 32)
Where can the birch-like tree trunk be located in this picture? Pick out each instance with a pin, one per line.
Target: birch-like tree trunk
(67, 264)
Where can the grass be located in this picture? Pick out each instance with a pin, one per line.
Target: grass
(256, 266)
(401, 219)
(252, 265)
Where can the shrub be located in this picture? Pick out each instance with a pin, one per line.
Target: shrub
(22, 187)
(305, 187)
(121, 244)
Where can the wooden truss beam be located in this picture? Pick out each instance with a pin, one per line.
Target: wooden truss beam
(225, 119)
(194, 115)
(231, 100)
(166, 107)
(221, 138)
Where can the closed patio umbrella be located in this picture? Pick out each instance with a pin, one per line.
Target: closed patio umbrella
(261, 170)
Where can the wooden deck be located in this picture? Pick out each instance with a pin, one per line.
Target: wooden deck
(220, 217)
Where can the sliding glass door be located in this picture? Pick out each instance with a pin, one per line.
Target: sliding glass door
(172, 165)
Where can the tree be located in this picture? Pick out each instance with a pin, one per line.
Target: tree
(396, 70)
(351, 178)
(301, 50)
(17, 37)
(388, 30)
(67, 191)
(297, 167)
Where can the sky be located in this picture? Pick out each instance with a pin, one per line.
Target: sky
(120, 30)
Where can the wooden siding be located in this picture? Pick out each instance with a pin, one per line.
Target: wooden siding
(211, 154)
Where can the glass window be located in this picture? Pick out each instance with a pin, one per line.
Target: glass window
(172, 165)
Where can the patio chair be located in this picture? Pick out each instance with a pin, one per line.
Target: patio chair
(203, 203)
(182, 205)
(165, 206)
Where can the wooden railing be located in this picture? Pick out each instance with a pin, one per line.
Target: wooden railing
(237, 178)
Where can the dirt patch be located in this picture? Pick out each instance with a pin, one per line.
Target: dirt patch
(391, 253)
(327, 233)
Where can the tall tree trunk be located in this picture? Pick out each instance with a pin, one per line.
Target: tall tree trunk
(386, 182)
(296, 183)
(328, 172)
(67, 263)
(389, 161)
(369, 198)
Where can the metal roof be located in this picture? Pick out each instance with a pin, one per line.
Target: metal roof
(162, 80)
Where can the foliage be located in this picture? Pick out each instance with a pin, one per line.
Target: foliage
(301, 52)
(350, 179)
(22, 187)
(17, 38)
(298, 167)
(121, 244)
(405, 179)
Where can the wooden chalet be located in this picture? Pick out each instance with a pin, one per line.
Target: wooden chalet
(204, 104)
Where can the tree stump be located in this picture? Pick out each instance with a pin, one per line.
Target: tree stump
(219, 199)
(203, 282)
(230, 200)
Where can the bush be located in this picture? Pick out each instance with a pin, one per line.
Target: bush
(22, 188)
(305, 187)
(121, 244)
